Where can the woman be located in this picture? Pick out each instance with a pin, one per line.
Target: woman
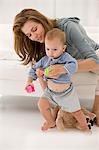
(30, 28)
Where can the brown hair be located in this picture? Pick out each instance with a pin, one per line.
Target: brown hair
(56, 33)
(26, 49)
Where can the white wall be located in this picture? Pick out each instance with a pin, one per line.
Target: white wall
(9, 8)
(87, 10)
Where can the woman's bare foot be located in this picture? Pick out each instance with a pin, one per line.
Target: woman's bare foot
(47, 125)
(84, 129)
(92, 118)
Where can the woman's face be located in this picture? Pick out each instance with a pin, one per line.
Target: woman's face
(34, 31)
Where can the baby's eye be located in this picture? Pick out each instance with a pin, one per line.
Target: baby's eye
(47, 49)
(55, 49)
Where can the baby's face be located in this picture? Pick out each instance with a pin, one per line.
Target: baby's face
(54, 48)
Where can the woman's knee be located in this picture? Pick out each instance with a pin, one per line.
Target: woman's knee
(97, 87)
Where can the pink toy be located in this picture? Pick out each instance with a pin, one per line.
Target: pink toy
(30, 88)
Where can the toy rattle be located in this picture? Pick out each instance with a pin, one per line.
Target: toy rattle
(47, 70)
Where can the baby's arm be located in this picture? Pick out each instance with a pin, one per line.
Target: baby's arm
(71, 65)
(40, 74)
(31, 77)
(29, 80)
(35, 72)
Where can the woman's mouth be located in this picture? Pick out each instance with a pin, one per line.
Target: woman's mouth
(40, 39)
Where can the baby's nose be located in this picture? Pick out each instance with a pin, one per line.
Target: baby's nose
(51, 52)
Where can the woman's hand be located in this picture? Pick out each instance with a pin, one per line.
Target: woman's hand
(56, 71)
(87, 65)
(40, 72)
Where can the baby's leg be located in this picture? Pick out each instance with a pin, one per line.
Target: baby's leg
(81, 118)
(54, 111)
(45, 109)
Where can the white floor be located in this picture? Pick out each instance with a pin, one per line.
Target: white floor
(20, 123)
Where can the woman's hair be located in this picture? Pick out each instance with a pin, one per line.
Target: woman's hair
(28, 50)
(56, 33)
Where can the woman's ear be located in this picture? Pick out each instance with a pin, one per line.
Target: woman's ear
(64, 48)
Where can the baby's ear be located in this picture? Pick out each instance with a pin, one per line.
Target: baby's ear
(64, 48)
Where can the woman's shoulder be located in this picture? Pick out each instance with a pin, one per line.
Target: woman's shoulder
(74, 19)
(64, 22)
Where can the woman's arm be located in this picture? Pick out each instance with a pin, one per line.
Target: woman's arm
(82, 42)
(87, 65)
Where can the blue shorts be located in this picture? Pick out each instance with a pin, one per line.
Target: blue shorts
(67, 100)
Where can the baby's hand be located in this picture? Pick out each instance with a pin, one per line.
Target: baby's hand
(30, 88)
(54, 71)
(39, 72)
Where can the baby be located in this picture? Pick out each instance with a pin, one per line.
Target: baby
(59, 91)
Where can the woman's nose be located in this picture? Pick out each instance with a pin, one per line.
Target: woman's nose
(34, 36)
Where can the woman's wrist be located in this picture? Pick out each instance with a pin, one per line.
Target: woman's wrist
(87, 65)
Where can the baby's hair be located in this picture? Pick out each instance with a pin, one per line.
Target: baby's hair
(56, 33)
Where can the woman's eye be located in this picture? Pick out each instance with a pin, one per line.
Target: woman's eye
(29, 35)
(34, 29)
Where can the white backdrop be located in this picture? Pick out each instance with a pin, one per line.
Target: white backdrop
(87, 10)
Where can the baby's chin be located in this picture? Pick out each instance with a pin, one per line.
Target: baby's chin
(54, 57)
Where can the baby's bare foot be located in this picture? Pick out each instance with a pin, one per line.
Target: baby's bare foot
(47, 125)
